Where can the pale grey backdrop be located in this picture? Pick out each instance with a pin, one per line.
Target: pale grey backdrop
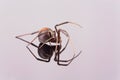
(99, 39)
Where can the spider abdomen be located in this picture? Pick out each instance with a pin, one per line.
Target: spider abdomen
(46, 51)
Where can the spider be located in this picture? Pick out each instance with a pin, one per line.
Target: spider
(45, 50)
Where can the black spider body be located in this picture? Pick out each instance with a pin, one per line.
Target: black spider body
(46, 51)
(46, 37)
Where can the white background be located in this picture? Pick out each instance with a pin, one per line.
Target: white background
(99, 39)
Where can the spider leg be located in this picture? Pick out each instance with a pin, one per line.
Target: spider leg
(30, 43)
(67, 35)
(66, 22)
(58, 61)
(19, 37)
(69, 61)
(36, 57)
(27, 34)
(64, 32)
(57, 56)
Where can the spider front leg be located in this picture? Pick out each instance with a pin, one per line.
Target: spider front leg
(19, 37)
